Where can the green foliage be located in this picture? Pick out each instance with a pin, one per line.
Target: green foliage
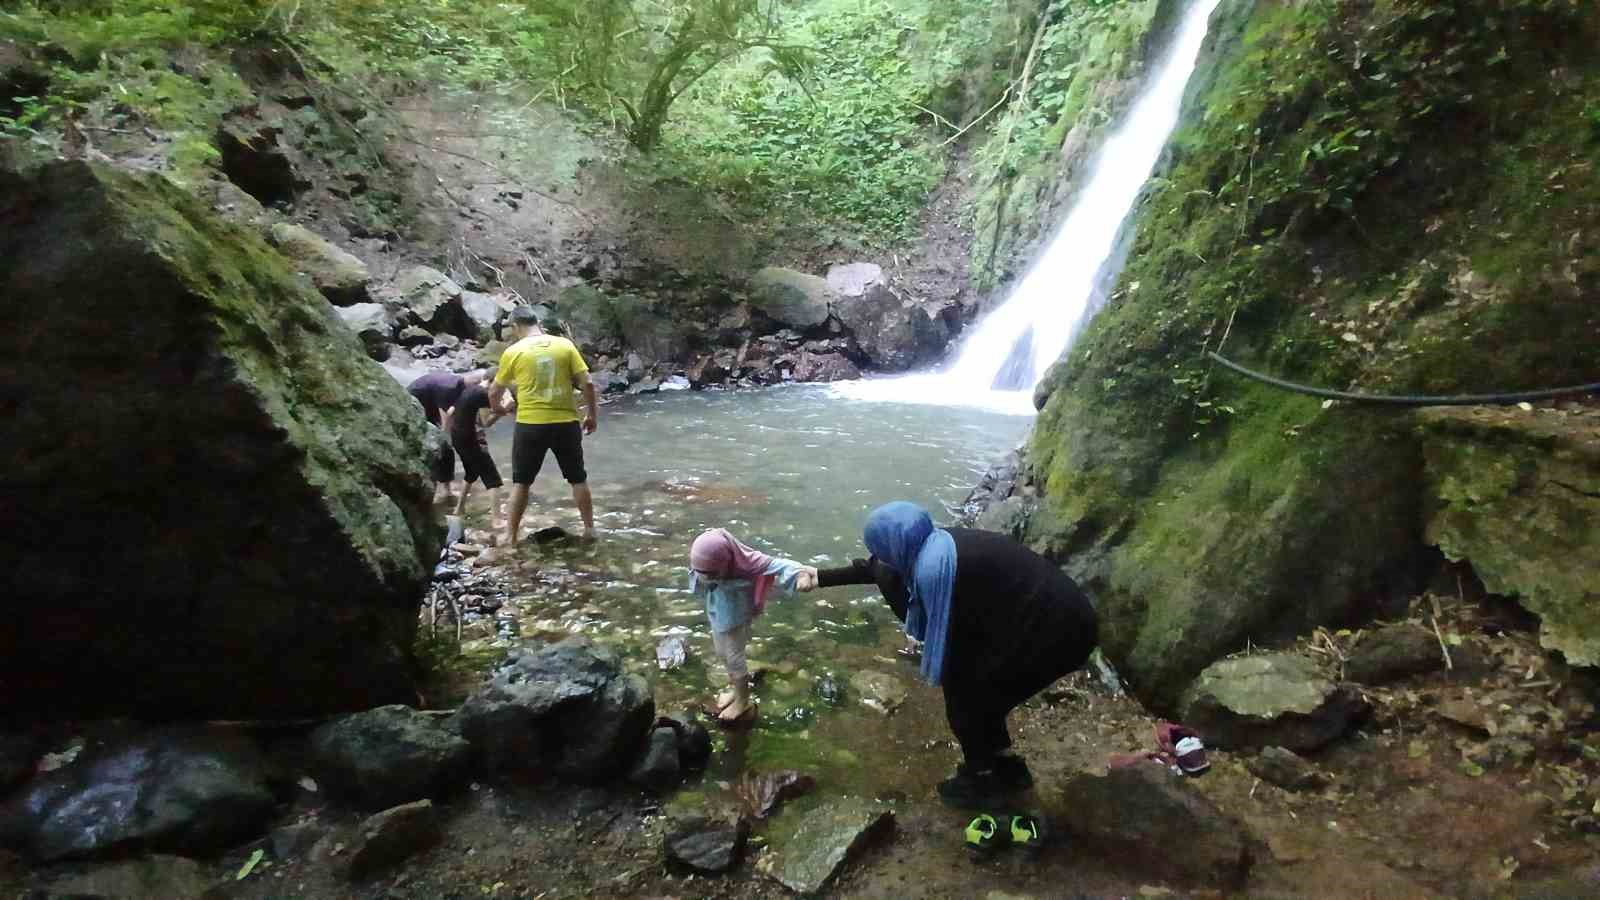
(850, 137)
(1081, 46)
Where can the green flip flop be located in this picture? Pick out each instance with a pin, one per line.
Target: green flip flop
(984, 834)
(1024, 831)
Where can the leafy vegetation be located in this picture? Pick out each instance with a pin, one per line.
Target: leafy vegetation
(837, 109)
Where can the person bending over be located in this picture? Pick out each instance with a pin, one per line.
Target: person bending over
(734, 581)
(469, 419)
(545, 371)
(999, 623)
(438, 392)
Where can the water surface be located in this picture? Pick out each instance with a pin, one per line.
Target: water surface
(793, 471)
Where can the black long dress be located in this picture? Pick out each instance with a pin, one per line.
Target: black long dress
(1017, 623)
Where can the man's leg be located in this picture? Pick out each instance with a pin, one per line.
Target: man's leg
(527, 455)
(567, 442)
(580, 493)
(519, 505)
(461, 502)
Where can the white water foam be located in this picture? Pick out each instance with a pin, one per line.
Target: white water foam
(1053, 301)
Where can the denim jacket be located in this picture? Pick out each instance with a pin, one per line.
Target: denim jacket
(730, 602)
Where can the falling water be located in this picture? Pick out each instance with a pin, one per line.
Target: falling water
(1009, 350)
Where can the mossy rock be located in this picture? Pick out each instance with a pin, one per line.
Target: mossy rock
(220, 505)
(1517, 495)
(1428, 255)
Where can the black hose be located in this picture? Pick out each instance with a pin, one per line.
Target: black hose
(1411, 399)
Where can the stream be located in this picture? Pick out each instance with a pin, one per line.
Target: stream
(793, 471)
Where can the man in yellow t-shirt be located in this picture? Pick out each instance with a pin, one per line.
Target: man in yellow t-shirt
(545, 370)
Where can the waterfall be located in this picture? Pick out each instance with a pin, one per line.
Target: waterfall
(1007, 352)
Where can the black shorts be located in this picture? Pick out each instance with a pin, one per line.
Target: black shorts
(443, 467)
(476, 463)
(529, 442)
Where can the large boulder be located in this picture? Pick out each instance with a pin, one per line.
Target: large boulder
(374, 324)
(1517, 494)
(1153, 823)
(214, 501)
(388, 756)
(1270, 699)
(180, 793)
(338, 275)
(585, 314)
(567, 705)
(432, 300)
(486, 311)
(823, 367)
(792, 298)
(894, 333)
(1205, 510)
(648, 327)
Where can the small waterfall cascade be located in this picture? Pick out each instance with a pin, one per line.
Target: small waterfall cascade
(1007, 352)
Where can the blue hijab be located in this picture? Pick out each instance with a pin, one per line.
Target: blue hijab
(902, 536)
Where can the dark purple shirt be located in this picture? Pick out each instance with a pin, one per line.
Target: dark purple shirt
(437, 392)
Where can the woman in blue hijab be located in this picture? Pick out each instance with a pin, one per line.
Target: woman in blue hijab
(999, 624)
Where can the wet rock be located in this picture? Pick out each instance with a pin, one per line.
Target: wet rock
(879, 692)
(658, 768)
(825, 840)
(1009, 517)
(675, 383)
(447, 341)
(1270, 699)
(374, 324)
(388, 756)
(694, 743)
(792, 298)
(1390, 654)
(391, 837)
(291, 841)
(671, 653)
(163, 792)
(1287, 770)
(598, 740)
(705, 845)
(829, 690)
(647, 326)
(1518, 495)
(151, 878)
(893, 332)
(824, 367)
(432, 299)
(338, 275)
(415, 337)
(282, 450)
(645, 386)
(1153, 823)
(485, 311)
(18, 753)
(570, 701)
(253, 159)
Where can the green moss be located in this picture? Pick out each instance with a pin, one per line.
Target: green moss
(1363, 197)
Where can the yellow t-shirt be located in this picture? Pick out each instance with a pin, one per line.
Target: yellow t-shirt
(543, 368)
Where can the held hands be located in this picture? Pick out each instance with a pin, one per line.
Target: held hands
(806, 581)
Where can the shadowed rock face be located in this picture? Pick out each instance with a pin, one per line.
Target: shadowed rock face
(215, 504)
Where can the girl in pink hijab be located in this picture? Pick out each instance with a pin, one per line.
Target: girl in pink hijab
(734, 581)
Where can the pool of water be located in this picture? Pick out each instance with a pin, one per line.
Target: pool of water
(793, 471)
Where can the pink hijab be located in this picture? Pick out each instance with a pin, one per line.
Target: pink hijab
(716, 552)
